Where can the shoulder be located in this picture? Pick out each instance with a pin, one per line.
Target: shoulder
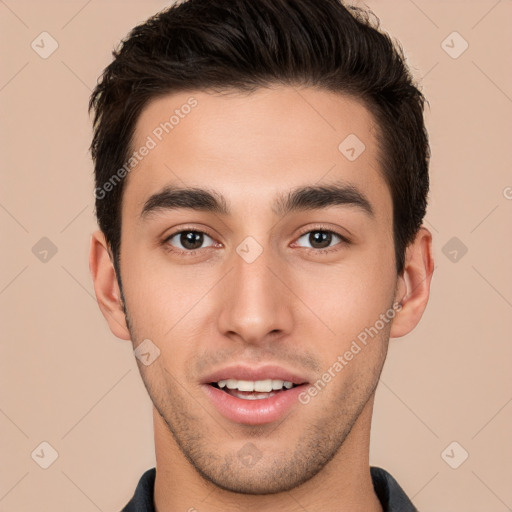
(142, 500)
(391, 496)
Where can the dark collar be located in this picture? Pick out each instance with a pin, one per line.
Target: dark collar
(390, 494)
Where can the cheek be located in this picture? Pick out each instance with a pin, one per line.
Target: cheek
(164, 300)
(357, 307)
(350, 296)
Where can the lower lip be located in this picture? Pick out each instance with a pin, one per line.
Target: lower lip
(253, 412)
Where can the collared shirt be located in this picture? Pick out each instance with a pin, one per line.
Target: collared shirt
(390, 494)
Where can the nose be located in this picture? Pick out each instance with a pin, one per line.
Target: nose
(256, 304)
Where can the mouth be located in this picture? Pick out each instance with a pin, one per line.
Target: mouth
(253, 396)
(253, 389)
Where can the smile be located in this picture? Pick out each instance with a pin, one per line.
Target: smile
(253, 396)
(253, 390)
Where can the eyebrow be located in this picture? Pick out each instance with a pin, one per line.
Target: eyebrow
(309, 197)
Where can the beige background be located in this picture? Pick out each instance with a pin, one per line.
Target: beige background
(66, 380)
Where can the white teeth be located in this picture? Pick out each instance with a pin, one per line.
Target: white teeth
(260, 386)
(231, 383)
(245, 385)
(263, 386)
(277, 384)
(252, 396)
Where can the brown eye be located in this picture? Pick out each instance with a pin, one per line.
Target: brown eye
(320, 238)
(188, 240)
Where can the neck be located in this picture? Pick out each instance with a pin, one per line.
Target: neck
(344, 484)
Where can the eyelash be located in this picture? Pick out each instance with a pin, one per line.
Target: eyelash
(193, 252)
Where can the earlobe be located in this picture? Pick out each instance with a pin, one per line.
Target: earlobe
(413, 287)
(106, 287)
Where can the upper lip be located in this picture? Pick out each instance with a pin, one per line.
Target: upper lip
(241, 372)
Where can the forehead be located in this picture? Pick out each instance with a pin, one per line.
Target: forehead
(250, 146)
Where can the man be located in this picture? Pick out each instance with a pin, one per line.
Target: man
(261, 178)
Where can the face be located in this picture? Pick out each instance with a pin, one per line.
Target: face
(255, 283)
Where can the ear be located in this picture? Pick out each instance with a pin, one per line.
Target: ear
(106, 287)
(413, 286)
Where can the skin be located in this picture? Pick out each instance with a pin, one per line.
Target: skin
(292, 306)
